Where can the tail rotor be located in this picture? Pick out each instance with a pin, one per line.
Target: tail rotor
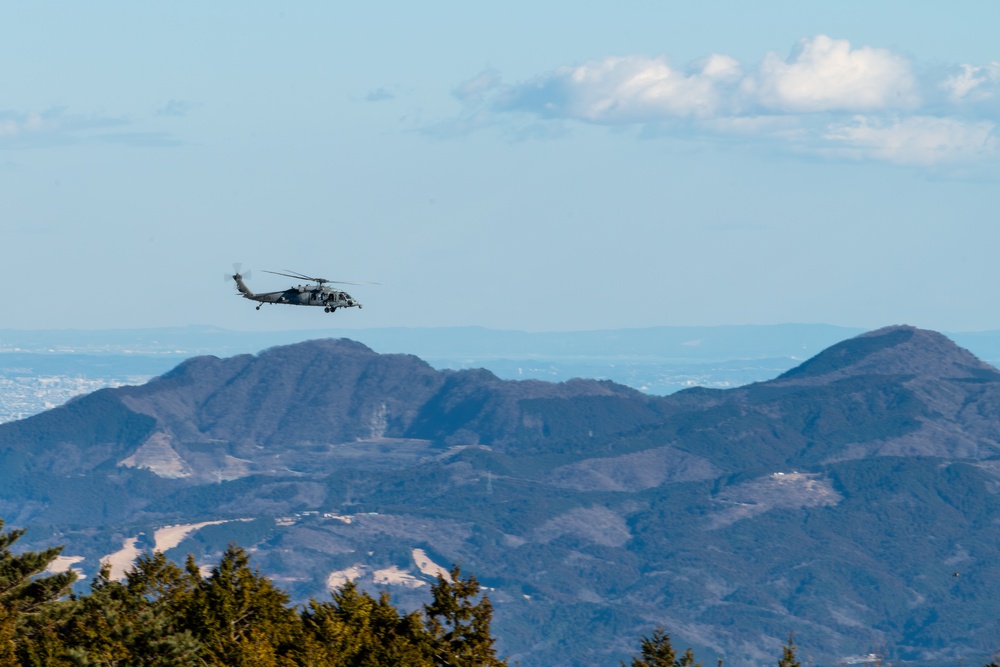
(237, 269)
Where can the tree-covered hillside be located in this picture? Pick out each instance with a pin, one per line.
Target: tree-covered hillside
(837, 500)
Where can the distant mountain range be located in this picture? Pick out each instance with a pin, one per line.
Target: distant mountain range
(854, 499)
(677, 343)
(43, 368)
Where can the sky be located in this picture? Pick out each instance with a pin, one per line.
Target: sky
(539, 166)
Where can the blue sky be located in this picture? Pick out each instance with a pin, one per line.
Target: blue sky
(536, 166)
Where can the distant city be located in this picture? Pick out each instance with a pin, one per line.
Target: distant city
(22, 397)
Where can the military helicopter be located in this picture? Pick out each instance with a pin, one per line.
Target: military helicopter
(318, 294)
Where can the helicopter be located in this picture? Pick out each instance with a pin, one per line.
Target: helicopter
(318, 294)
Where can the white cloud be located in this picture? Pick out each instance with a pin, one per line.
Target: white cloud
(176, 108)
(15, 125)
(56, 127)
(477, 86)
(379, 95)
(826, 74)
(629, 89)
(973, 83)
(923, 140)
(827, 97)
(34, 122)
(822, 75)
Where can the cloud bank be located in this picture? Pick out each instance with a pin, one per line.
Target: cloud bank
(58, 127)
(827, 97)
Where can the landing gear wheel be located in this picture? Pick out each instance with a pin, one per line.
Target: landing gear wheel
(258, 307)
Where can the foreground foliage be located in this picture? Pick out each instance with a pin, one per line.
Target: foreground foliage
(163, 615)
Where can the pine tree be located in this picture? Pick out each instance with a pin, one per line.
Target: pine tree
(8, 632)
(22, 591)
(116, 624)
(240, 616)
(356, 630)
(687, 660)
(24, 594)
(788, 658)
(158, 580)
(658, 651)
(655, 651)
(459, 626)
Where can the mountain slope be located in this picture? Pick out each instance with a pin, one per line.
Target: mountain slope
(896, 391)
(214, 417)
(837, 500)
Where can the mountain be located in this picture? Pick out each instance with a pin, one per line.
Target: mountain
(658, 360)
(231, 417)
(838, 500)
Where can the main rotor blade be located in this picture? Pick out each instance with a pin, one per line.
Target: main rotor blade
(291, 275)
(321, 281)
(300, 275)
(346, 282)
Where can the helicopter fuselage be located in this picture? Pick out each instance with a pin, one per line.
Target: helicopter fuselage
(328, 298)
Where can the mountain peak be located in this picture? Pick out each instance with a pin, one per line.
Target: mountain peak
(893, 350)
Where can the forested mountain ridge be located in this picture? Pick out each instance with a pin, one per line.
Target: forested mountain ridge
(321, 392)
(836, 500)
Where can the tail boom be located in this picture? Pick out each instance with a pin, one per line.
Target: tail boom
(242, 286)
